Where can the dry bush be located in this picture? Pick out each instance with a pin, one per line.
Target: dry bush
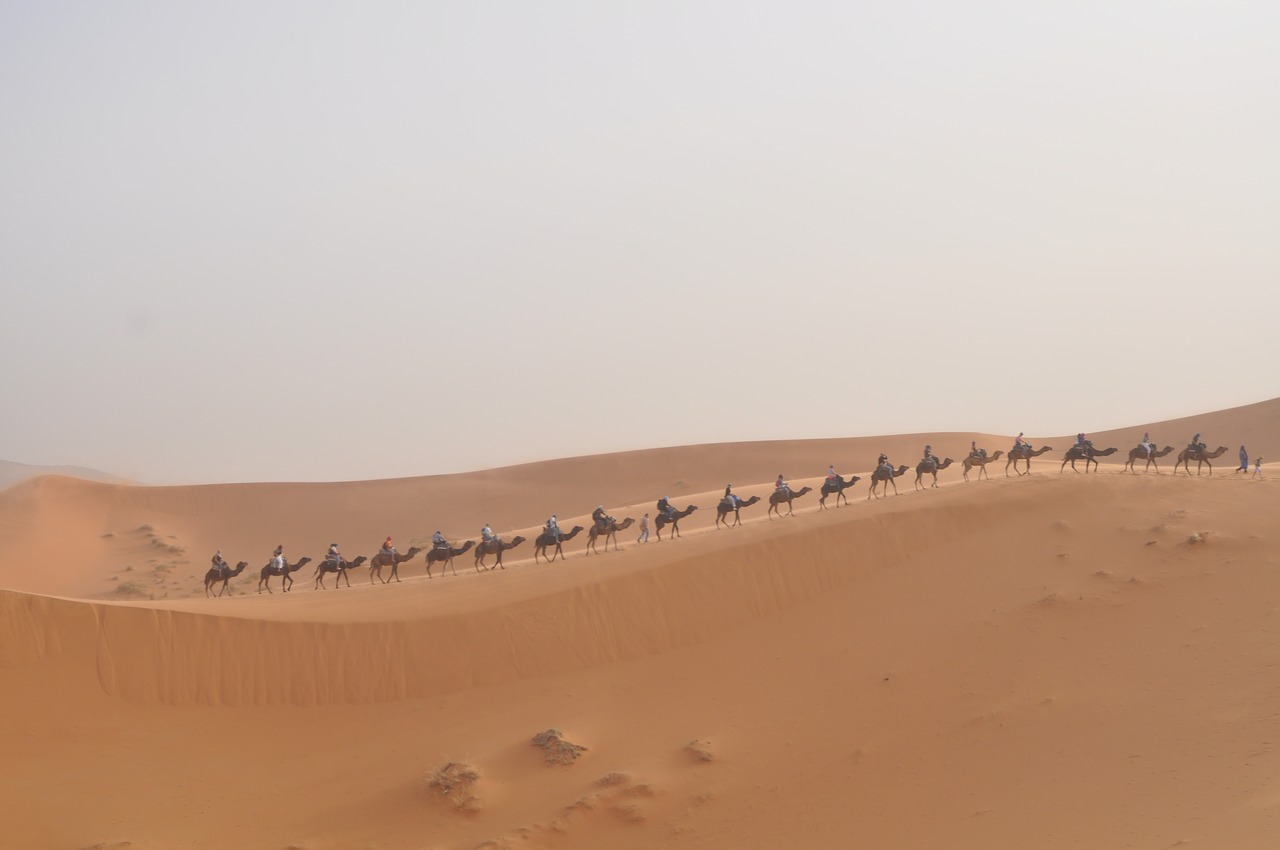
(456, 782)
(558, 750)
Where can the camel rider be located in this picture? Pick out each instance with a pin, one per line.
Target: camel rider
(1082, 444)
(782, 485)
(1146, 443)
(832, 477)
(599, 517)
(664, 505)
(883, 460)
(553, 528)
(439, 541)
(930, 457)
(334, 555)
(486, 533)
(728, 495)
(277, 559)
(218, 562)
(975, 451)
(1019, 443)
(1196, 445)
(387, 548)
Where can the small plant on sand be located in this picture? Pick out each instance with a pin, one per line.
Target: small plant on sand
(456, 782)
(131, 588)
(558, 750)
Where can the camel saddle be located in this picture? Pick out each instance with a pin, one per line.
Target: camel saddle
(886, 468)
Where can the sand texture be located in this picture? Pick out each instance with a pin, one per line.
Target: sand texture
(1047, 661)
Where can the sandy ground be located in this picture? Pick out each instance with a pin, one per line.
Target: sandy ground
(1054, 660)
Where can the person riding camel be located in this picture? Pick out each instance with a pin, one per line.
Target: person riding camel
(930, 457)
(832, 477)
(1146, 443)
(553, 528)
(486, 533)
(883, 460)
(729, 497)
(439, 541)
(600, 518)
(1019, 444)
(387, 548)
(976, 452)
(665, 506)
(218, 562)
(1196, 445)
(277, 559)
(334, 555)
(782, 485)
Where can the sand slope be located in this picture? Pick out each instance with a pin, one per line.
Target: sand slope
(1047, 661)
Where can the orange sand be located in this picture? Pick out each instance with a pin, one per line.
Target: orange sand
(1047, 661)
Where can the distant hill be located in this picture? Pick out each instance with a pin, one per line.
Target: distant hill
(11, 473)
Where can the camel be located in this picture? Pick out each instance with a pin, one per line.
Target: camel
(224, 575)
(931, 466)
(780, 495)
(546, 539)
(1139, 453)
(378, 561)
(1200, 457)
(660, 519)
(286, 580)
(1087, 454)
(981, 462)
(610, 532)
(1026, 453)
(339, 567)
(494, 547)
(837, 486)
(732, 506)
(886, 473)
(446, 554)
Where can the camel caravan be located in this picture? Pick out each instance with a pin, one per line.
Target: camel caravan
(548, 545)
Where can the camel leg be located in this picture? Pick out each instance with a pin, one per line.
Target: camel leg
(449, 563)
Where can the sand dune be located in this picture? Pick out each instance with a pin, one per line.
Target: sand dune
(1046, 661)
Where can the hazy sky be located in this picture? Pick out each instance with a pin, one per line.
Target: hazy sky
(308, 241)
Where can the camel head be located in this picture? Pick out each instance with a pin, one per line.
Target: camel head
(466, 546)
(360, 559)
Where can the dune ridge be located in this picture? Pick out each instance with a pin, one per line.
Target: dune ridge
(91, 522)
(233, 659)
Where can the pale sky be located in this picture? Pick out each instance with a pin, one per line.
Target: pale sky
(311, 241)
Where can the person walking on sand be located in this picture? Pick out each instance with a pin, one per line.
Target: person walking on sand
(1257, 467)
(1244, 461)
(644, 530)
